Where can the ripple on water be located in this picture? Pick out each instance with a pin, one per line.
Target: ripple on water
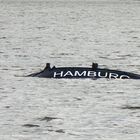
(48, 118)
(16, 48)
(130, 107)
(3, 37)
(21, 55)
(7, 107)
(30, 125)
(60, 131)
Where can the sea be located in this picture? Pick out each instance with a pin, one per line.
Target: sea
(69, 33)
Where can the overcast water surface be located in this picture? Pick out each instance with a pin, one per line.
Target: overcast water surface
(69, 33)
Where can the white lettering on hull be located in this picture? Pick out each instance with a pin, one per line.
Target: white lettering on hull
(58, 74)
(77, 73)
(113, 75)
(101, 75)
(89, 74)
(124, 76)
(68, 73)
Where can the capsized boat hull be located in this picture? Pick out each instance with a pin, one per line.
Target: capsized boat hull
(83, 72)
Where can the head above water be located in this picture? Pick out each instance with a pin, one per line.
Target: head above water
(47, 66)
(94, 66)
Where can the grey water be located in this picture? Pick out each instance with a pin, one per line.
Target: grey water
(69, 33)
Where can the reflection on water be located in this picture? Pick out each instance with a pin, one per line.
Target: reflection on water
(68, 34)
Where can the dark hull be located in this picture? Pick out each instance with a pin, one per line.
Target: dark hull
(84, 72)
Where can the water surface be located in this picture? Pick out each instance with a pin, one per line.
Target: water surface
(69, 33)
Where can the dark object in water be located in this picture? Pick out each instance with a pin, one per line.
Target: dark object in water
(48, 119)
(30, 125)
(131, 107)
(83, 72)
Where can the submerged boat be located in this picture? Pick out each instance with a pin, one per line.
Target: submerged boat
(83, 72)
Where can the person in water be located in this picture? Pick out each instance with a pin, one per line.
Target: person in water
(47, 66)
(94, 66)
